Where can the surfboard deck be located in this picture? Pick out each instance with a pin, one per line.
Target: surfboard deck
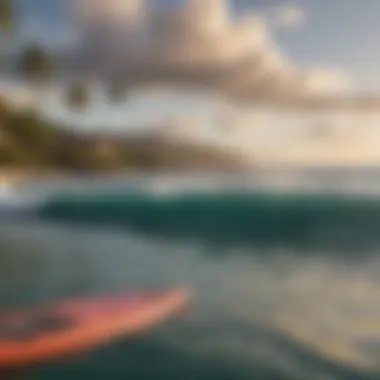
(72, 327)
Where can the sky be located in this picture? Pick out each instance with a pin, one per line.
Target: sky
(336, 40)
(252, 50)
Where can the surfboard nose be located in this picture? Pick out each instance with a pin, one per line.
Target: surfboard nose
(180, 300)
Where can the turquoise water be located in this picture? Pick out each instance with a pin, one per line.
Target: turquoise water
(230, 218)
(285, 284)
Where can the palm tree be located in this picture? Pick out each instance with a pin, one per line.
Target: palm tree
(7, 16)
(78, 95)
(7, 24)
(117, 92)
(35, 66)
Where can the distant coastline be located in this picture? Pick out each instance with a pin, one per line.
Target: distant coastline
(32, 147)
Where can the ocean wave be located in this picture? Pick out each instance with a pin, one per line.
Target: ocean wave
(236, 217)
(15, 202)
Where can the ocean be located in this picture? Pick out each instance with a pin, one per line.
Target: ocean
(283, 266)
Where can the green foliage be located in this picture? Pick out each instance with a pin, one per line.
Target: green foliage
(27, 140)
(7, 15)
(78, 96)
(35, 63)
(29, 129)
(117, 92)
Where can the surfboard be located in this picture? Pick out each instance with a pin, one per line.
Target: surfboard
(74, 326)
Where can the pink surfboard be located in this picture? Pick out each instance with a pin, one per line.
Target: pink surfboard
(71, 327)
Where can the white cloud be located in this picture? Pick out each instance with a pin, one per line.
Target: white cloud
(321, 81)
(123, 40)
(289, 16)
(96, 10)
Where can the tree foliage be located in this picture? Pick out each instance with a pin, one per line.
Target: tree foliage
(7, 15)
(35, 64)
(117, 92)
(28, 140)
(78, 95)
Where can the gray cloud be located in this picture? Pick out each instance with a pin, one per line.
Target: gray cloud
(125, 41)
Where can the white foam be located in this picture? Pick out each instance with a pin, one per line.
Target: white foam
(16, 200)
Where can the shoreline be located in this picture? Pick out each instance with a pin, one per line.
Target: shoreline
(15, 176)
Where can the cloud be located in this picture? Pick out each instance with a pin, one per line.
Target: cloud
(127, 41)
(322, 81)
(289, 16)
